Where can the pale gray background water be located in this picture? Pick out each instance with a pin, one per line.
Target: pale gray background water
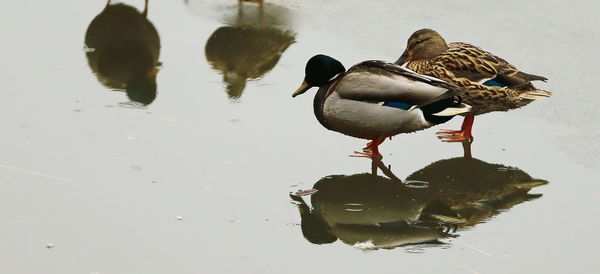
(105, 183)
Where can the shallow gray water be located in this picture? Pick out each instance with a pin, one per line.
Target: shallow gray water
(199, 179)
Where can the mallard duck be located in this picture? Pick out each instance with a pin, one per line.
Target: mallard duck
(249, 46)
(490, 83)
(371, 212)
(376, 99)
(380, 212)
(123, 51)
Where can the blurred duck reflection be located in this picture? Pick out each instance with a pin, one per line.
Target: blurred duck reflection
(250, 45)
(123, 49)
(373, 212)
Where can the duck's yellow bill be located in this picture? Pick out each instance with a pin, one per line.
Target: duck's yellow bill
(302, 89)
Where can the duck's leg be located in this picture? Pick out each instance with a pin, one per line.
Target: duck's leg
(464, 133)
(371, 150)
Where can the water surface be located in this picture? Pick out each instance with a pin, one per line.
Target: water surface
(182, 161)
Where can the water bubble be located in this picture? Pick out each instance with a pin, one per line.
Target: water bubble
(416, 184)
(354, 207)
(368, 245)
(508, 168)
(130, 104)
(415, 250)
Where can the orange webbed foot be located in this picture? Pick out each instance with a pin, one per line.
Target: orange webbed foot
(451, 136)
(448, 132)
(366, 154)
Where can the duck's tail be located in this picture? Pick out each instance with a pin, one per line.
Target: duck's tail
(535, 94)
(531, 184)
(442, 108)
(531, 77)
(447, 104)
(453, 111)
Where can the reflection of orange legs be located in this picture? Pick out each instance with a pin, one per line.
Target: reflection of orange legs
(145, 8)
(371, 150)
(467, 149)
(387, 170)
(464, 133)
(145, 13)
(260, 2)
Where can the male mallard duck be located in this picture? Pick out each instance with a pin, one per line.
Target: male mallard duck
(489, 82)
(124, 49)
(375, 99)
(370, 211)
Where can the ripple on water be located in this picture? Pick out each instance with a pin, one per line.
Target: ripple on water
(414, 250)
(134, 105)
(416, 184)
(508, 168)
(354, 207)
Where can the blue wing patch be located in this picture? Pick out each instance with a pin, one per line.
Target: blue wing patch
(399, 105)
(493, 83)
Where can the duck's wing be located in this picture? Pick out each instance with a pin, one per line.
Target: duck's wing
(468, 61)
(379, 81)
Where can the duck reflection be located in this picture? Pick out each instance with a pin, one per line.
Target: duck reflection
(123, 49)
(373, 212)
(250, 45)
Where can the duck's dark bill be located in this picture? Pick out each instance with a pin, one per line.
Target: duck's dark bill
(403, 59)
(303, 88)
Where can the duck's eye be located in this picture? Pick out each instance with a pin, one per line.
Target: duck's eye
(421, 40)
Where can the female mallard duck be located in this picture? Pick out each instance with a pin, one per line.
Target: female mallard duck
(249, 46)
(489, 82)
(370, 211)
(375, 99)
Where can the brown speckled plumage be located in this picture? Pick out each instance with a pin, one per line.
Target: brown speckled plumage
(468, 66)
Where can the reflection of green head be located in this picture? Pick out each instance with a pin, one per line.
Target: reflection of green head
(235, 84)
(126, 49)
(315, 230)
(142, 90)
